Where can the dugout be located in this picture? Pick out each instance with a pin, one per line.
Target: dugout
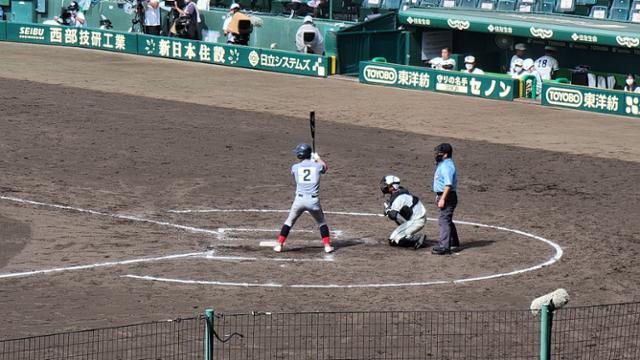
(608, 47)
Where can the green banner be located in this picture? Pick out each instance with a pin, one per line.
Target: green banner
(418, 78)
(3, 30)
(529, 25)
(72, 36)
(233, 55)
(591, 99)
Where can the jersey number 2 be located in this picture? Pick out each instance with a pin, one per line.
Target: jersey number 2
(306, 175)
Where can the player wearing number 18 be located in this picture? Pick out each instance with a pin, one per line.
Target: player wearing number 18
(307, 176)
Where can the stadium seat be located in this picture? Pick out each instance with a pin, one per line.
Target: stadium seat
(634, 17)
(635, 5)
(586, 2)
(372, 4)
(599, 12)
(487, 5)
(619, 14)
(506, 5)
(429, 3)
(620, 4)
(526, 6)
(391, 4)
(448, 3)
(468, 4)
(565, 6)
(548, 6)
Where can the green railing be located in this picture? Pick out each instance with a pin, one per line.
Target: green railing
(173, 48)
(580, 333)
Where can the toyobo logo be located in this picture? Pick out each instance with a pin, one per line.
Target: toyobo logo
(564, 97)
(380, 74)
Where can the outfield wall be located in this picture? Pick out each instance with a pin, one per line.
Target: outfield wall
(173, 48)
(488, 86)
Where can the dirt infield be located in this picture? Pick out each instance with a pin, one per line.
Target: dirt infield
(130, 159)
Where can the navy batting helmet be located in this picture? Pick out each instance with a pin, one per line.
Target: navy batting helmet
(303, 151)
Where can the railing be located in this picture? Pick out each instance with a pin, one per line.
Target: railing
(594, 332)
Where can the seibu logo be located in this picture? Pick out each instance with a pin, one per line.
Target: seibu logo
(380, 74)
(564, 97)
(31, 31)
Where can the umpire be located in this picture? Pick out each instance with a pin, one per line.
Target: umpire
(445, 185)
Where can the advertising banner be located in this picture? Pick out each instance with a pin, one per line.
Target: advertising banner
(591, 99)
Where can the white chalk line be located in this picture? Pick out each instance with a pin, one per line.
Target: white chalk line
(204, 211)
(557, 255)
(558, 250)
(209, 255)
(192, 229)
(115, 216)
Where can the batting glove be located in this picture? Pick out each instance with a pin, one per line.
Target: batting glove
(315, 156)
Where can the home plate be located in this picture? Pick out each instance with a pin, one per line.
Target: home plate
(268, 243)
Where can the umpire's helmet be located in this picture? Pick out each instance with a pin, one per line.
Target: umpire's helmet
(303, 151)
(387, 181)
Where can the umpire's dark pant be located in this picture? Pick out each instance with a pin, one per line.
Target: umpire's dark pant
(448, 232)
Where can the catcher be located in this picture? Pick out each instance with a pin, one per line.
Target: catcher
(406, 210)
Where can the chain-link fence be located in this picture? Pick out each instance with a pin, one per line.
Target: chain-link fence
(595, 332)
(175, 339)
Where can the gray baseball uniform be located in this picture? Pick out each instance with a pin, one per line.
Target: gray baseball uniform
(307, 176)
(407, 228)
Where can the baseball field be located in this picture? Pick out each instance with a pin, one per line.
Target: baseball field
(137, 189)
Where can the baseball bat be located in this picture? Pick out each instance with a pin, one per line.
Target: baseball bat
(312, 124)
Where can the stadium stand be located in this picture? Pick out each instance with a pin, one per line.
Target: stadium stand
(506, 5)
(599, 12)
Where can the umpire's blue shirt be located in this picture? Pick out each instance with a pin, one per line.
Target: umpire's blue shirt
(445, 175)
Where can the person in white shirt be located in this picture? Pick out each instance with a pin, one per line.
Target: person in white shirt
(547, 64)
(630, 84)
(517, 69)
(530, 69)
(231, 38)
(152, 17)
(519, 55)
(470, 66)
(313, 41)
(77, 18)
(444, 62)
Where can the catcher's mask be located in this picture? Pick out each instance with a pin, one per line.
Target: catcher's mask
(388, 181)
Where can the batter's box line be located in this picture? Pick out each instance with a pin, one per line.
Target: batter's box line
(222, 231)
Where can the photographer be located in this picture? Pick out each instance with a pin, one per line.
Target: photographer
(187, 24)
(309, 38)
(71, 16)
(152, 17)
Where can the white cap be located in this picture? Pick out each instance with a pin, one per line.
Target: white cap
(308, 19)
(469, 59)
(527, 64)
(520, 46)
(550, 48)
(518, 62)
(234, 6)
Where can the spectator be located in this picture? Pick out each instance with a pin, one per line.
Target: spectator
(64, 18)
(375, 13)
(77, 18)
(444, 62)
(237, 26)
(530, 69)
(517, 69)
(152, 17)
(630, 84)
(309, 39)
(188, 21)
(1, 14)
(547, 64)
(520, 49)
(231, 37)
(470, 66)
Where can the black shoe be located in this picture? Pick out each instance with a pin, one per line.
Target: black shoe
(440, 251)
(455, 249)
(420, 242)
